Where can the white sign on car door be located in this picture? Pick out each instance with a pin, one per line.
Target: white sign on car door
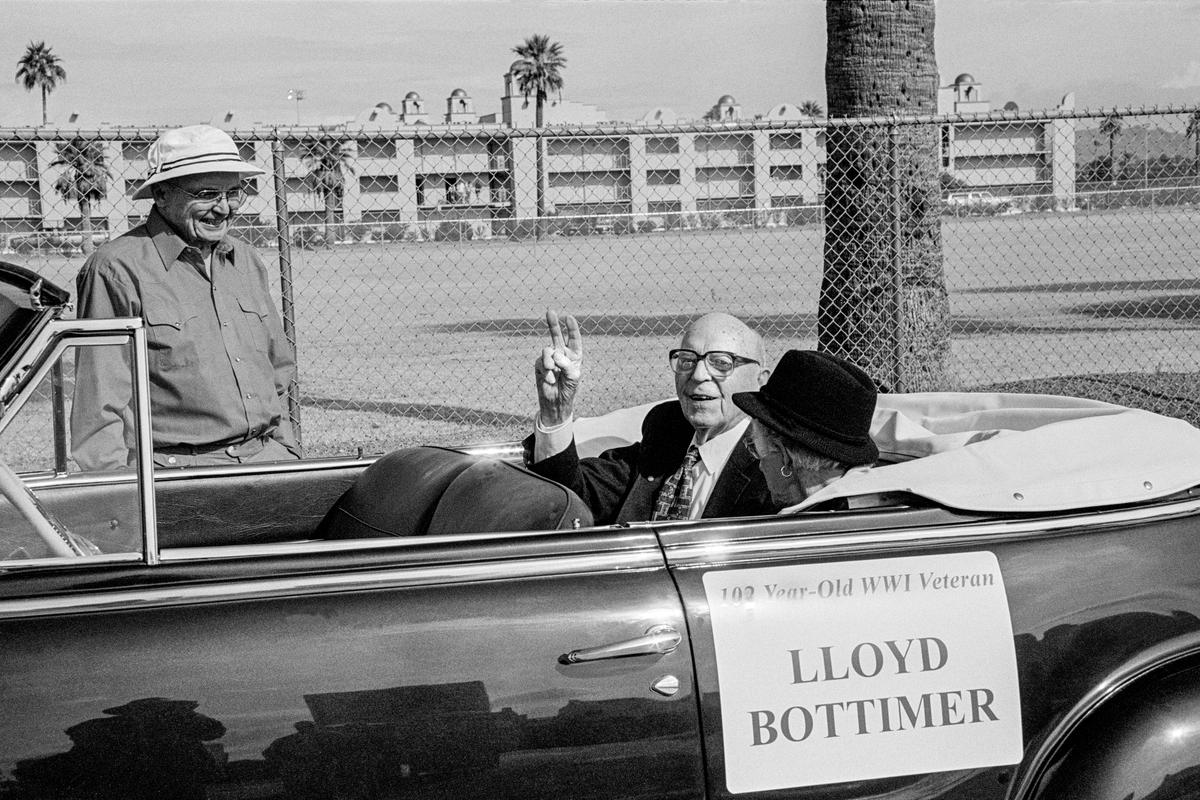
(864, 669)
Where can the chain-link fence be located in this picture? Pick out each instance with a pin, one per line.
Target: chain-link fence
(420, 260)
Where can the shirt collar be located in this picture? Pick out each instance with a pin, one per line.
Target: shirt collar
(169, 244)
(716, 450)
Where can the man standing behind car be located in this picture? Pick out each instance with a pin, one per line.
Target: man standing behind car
(692, 460)
(219, 364)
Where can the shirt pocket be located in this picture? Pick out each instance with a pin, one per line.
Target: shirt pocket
(169, 338)
(255, 319)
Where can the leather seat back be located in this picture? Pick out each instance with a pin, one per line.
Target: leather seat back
(436, 491)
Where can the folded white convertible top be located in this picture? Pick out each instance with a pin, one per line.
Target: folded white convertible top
(997, 452)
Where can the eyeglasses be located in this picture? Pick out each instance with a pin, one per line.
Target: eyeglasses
(720, 363)
(757, 453)
(754, 450)
(233, 196)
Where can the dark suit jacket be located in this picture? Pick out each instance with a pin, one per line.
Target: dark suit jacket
(621, 485)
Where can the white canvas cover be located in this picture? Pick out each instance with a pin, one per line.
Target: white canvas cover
(997, 452)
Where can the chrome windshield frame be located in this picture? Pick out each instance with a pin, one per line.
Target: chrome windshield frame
(38, 359)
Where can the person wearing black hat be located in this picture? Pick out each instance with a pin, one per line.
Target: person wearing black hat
(811, 423)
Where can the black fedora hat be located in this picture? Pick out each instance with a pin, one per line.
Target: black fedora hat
(820, 401)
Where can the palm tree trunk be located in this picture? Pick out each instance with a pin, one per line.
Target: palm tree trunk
(330, 203)
(883, 302)
(1112, 158)
(44, 94)
(85, 225)
(540, 165)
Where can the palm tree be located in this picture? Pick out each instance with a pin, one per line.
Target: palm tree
(812, 108)
(1111, 126)
(330, 160)
(539, 73)
(39, 68)
(883, 303)
(1193, 130)
(84, 180)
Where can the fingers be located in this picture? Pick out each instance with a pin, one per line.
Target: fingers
(552, 324)
(546, 364)
(573, 341)
(574, 337)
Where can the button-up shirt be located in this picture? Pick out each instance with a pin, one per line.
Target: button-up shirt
(220, 365)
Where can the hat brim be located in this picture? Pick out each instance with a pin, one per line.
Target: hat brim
(231, 166)
(790, 426)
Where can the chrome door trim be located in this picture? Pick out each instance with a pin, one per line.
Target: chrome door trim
(617, 541)
(145, 444)
(729, 549)
(320, 584)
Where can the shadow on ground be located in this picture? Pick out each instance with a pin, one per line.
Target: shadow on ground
(1181, 307)
(1177, 306)
(1173, 284)
(424, 411)
(631, 325)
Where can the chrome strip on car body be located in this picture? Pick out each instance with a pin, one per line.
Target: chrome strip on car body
(1150, 660)
(360, 580)
(172, 475)
(771, 543)
(614, 543)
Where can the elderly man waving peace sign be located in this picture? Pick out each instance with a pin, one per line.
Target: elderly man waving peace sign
(691, 461)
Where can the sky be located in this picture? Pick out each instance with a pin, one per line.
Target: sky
(184, 61)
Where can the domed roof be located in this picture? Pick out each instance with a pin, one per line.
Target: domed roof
(412, 96)
(458, 93)
(966, 77)
(385, 106)
(727, 100)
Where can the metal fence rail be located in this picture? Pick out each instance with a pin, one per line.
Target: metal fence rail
(418, 262)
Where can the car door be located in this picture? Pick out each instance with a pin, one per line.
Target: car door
(543, 664)
(917, 652)
(432, 669)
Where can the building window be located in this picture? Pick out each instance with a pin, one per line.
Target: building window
(787, 172)
(134, 151)
(376, 148)
(791, 140)
(662, 145)
(662, 177)
(378, 184)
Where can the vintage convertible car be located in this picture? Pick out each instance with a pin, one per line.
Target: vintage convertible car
(1024, 622)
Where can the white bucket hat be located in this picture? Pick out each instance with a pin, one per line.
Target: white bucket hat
(192, 150)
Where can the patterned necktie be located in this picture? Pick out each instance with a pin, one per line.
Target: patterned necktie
(675, 497)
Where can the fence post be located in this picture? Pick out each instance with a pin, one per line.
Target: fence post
(284, 239)
(897, 300)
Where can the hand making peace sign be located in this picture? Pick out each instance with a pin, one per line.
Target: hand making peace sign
(559, 371)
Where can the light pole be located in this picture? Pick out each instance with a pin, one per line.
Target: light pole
(297, 95)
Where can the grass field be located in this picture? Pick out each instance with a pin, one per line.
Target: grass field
(405, 343)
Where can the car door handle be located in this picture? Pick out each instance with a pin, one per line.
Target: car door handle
(658, 640)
